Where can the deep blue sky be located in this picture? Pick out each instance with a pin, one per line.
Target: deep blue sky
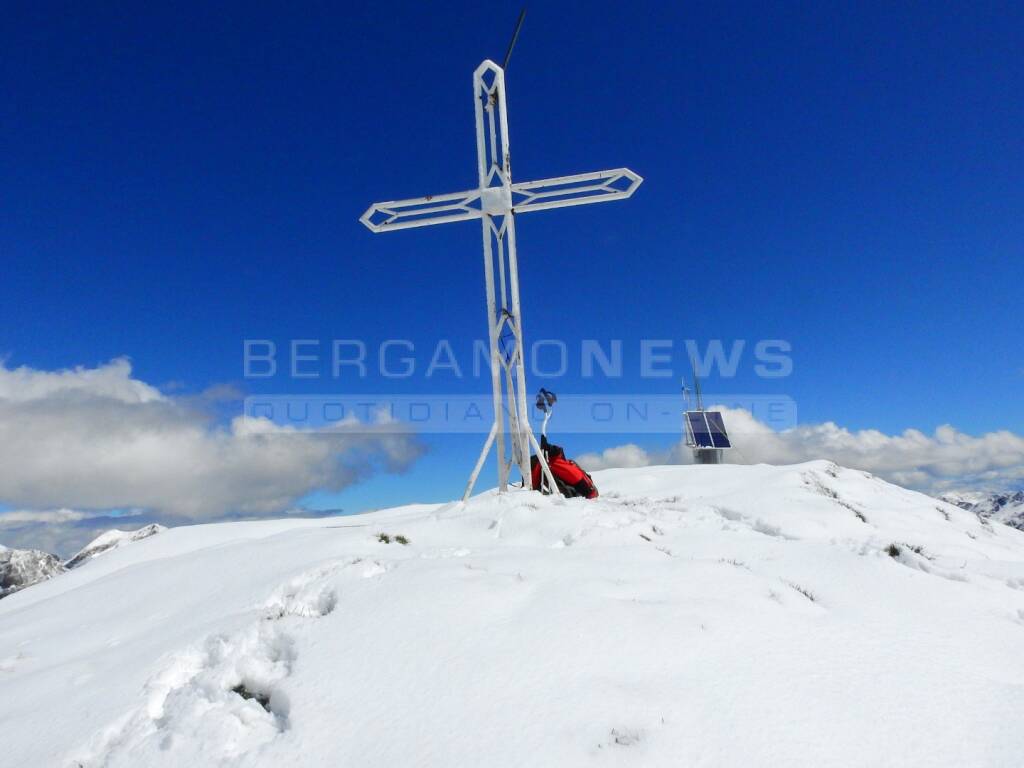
(176, 179)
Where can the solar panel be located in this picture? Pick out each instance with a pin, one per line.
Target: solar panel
(717, 428)
(707, 429)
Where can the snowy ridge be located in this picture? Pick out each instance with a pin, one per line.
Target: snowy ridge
(699, 615)
(112, 539)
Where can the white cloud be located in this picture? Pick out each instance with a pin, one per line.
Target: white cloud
(19, 517)
(628, 455)
(96, 438)
(112, 381)
(944, 459)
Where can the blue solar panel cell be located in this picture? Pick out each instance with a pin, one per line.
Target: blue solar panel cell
(716, 426)
(699, 428)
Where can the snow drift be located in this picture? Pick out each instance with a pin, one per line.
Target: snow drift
(699, 615)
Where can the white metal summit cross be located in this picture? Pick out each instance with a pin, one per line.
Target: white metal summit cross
(495, 201)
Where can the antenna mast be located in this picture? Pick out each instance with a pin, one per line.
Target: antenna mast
(515, 36)
(696, 386)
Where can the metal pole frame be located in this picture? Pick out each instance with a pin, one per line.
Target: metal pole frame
(504, 311)
(495, 202)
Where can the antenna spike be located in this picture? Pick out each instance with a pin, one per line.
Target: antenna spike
(515, 36)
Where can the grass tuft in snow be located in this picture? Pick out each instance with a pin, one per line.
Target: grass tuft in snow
(894, 550)
(733, 562)
(625, 737)
(803, 591)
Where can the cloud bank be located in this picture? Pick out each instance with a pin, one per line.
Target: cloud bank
(99, 439)
(940, 461)
(62, 531)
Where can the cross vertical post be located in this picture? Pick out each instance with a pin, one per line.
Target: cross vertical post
(504, 318)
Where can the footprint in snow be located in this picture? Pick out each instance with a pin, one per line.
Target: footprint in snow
(307, 595)
(208, 705)
(374, 569)
(8, 664)
(221, 698)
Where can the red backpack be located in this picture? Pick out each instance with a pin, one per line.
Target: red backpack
(572, 480)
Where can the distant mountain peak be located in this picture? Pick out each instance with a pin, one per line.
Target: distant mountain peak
(1001, 506)
(112, 539)
(20, 568)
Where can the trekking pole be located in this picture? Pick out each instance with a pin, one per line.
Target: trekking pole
(545, 402)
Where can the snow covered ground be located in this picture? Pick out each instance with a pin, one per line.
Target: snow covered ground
(693, 616)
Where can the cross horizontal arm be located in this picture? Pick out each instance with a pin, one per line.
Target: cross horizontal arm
(422, 211)
(559, 192)
(580, 189)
